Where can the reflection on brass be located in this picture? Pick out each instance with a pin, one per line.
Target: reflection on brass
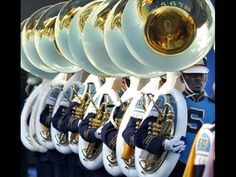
(74, 138)
(66, 19)
(102, 15)
(47, 28)
(85, 14)
(112, 158)
(62, 139)
(169, 30)
(149, 1)
(102, 115)
(117, 15)
(30, 28)
(144, 9)
(78, 111)
(45, 133)
(164, 126)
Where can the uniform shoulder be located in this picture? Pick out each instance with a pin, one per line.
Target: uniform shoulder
(210, 99)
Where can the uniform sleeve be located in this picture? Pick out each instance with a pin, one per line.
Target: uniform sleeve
(85, 131)
(147, 141)
(57, 118)
(109, 135)
(128, 133)
(109, 132)
(45, 116)
(69, 117)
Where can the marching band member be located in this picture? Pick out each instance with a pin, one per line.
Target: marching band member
(109, 132)
(70, 123)
(134, 122)
(95, 134)
(53, 163)
(201, 109)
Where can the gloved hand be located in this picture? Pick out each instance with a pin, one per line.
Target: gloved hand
(53, 95)
(98, 133)
(176, 144)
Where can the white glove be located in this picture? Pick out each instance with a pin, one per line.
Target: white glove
(176, 144)
(98, 133)
(53, 95)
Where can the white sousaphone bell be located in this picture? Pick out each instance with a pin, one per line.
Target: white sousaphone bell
(45, 43)
(168, 35)
(116, 48)
(75, 37)
(27, 40)
(29, 67)
(93, 40)
(148, 164)
(90, 154)
(62, 26)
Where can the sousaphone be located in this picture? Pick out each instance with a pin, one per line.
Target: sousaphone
(93, 40)
(172, 122)
(43, 133)
(86, 92)
(27, 41)
(109, 156)
(45, 43)
(28, 66)
(75, 38)
(60, 139)
(116, 48)
(169, 35)
(90, 154)
(124, 153)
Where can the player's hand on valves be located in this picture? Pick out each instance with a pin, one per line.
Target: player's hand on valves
(176, 144)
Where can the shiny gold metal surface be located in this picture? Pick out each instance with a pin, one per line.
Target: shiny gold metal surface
(164, 126)
(47, 28)
(103, 14)
(66, 19)
(30, 29)
(144, 8)
(117, 16)
(169, 30)
(45, 133)
(78, 111)
(102, 115)
(85, 14)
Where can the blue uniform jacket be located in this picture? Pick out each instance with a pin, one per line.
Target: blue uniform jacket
(109, 132)
(57, 118)
(69, 122)
(129, 132)
(45, 116)
(86, 132)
